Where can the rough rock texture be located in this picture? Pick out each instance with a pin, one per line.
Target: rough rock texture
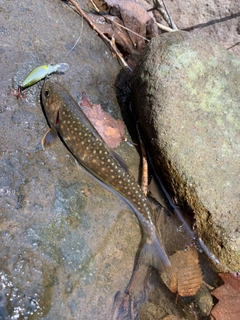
(186, 95)
(217, 19)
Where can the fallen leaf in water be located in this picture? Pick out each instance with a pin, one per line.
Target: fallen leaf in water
(110, 129)
(228, 306)
(185, 275)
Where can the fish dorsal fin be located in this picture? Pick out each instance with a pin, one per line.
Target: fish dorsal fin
(49, 138)
(118, 158)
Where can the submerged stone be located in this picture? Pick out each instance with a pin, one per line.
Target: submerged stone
(186, 96)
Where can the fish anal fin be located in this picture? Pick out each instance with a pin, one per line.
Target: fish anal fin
(153, 254)
(49, 138)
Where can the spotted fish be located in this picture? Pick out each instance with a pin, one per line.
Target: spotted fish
(67, 120)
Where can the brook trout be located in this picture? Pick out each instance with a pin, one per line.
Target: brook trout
(67, 120)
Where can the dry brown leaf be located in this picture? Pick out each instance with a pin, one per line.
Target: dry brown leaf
(111, 27)
(134, 17)
(110, 129)
(137, 26)
(185, 276)
(228, 306)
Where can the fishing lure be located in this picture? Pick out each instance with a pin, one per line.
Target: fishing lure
(38, 74)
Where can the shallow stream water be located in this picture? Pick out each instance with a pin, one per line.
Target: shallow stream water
(67, 245)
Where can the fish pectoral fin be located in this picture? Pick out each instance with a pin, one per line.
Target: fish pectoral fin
(118, 158)
(49, 138)
(153, 254)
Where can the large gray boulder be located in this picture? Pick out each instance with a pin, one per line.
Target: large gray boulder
(186, 96)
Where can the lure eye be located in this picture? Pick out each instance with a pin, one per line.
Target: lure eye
(47, 93)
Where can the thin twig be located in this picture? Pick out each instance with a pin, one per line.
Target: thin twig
(173, 26)
(157, 6)
(165, 14)
(114, 49)
(76, 41)
(164, 28)
(94, 5)
(131, 31)
(144, 177)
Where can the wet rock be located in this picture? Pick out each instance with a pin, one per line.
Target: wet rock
(186, 97)
(204, 301)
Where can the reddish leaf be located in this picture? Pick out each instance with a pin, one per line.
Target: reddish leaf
(111, 130)
(228, 306)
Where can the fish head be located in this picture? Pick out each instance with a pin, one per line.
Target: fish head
(51, 101)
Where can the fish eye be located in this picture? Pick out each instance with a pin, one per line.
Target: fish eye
(47, 93)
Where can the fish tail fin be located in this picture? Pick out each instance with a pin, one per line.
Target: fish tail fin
(152, 253)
